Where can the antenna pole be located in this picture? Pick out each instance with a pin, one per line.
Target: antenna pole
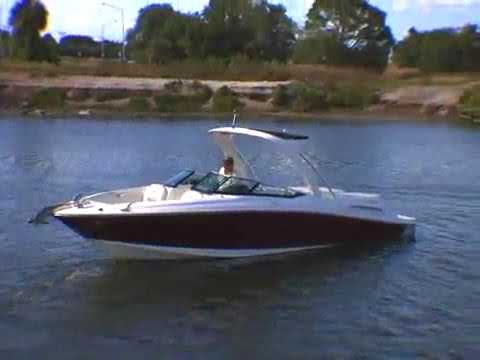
(234, 122)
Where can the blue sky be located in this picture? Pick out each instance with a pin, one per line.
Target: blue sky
(90, 17)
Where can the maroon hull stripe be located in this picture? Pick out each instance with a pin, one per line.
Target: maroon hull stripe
(233, 230)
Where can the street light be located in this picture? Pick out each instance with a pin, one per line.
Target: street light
(123, 26)
(103, 38)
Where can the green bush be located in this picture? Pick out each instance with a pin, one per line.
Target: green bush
(174, 101)
(258, 97)
(179, 103)
(174, 86)
(310, 51)
(110, 95)
(225, 100)
(139, 104)
(167, 103)
(280, 96)
(49, 99)
(202, 91)
(351, 96)
(309, 98)
(471, 97)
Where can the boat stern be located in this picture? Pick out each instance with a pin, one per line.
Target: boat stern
(410, 224)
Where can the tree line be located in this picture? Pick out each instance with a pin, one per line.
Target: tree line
(441, 50)
(346, 32)
(337, 32)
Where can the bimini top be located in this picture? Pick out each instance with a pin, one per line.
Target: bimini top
(273, 136)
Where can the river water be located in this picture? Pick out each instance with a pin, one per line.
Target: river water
(61, 298)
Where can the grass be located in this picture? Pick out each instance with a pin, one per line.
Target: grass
(471, 97)
(173, 103)
(180, 98)
(313, 87)
(281, 96)
(240, 69)
(308, 97)
(50, 98)
(210, 69)
(352, 96)
(169, 103)
(109, 95)
(470, 103)
(225, 101)
(139, 104)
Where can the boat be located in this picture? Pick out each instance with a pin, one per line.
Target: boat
(230, 214)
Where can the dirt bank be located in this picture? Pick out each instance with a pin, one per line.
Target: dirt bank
(131, 84)
(89, 95)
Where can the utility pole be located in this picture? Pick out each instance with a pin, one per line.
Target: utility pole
(103, 41)
(124, 58)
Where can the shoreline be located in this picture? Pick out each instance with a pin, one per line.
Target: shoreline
(334, 115)
(110, 98)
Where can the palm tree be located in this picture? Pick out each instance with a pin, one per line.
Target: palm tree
(28, 18)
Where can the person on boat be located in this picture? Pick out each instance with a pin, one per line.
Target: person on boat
(228, 167)
(232, 186)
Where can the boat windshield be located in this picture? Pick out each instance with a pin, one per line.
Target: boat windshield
(184, 177)
(232, 185)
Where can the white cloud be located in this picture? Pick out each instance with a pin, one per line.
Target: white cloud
(402, 5)
(86, 17)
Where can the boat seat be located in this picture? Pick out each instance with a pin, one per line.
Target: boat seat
(155, 192)
(191, 196)
(177, 193)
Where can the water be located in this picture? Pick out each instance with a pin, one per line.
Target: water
(61, 298)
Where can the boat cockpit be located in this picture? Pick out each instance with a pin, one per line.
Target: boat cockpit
(215, 183)
(189, 185)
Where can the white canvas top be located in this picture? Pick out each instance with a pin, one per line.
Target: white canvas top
(273, 136)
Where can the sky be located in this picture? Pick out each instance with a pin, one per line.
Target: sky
(89, 17)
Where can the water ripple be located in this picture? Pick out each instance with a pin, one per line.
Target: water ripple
(402, 300)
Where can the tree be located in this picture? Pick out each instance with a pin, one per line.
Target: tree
(52, 50)
(225, 29)
(244, 27)
(112, 49)
(274, 33)
(162, 34)
(324, 48)
(28, 18)
(228, 29)
(79, 46)
(407, 52)
(469, 46)
(355, 33)
(4, 43)
(440, 50)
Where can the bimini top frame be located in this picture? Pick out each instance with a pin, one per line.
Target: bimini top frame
(291, 143)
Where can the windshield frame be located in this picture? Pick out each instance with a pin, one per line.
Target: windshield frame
(178, 178)
(282, 192)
